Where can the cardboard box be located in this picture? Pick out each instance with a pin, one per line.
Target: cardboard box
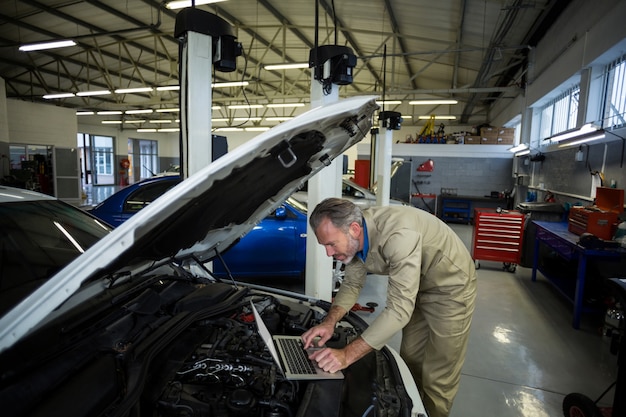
(497, 135)
(472, 140)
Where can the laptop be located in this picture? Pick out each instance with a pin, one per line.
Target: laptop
(289, 354)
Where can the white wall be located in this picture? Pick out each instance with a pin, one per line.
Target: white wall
(38, 124)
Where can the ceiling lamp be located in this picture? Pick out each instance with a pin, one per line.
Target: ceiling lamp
(84, 113)
(46, 45)
(245, 106)
(583, 132)
(59, 95)
(431, 102)
(295, 65)
(172, 110)
(277, 119)
(388, 102)
(180, 4)
(139, 111)
(168, 88)
(133, 90)
(437, 117)
(93, 93)
(518, 148)
(108, 112)
(284, 105)
(230, 84)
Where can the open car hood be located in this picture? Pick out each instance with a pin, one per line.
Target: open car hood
(211, 209)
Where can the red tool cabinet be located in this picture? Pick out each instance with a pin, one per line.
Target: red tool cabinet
(498, 236)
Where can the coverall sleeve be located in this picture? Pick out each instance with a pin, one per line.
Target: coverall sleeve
(351, 286)
(403, 254)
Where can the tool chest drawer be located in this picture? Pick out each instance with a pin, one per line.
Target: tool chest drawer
(498, 235)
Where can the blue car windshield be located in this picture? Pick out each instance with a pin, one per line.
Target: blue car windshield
(37, 239)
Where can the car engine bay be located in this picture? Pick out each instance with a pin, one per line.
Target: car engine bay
(179, 349)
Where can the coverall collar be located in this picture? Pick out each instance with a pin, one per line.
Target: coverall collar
(362, 254)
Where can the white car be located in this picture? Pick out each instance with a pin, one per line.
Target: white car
(138, 326)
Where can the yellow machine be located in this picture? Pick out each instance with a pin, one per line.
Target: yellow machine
(429, 127)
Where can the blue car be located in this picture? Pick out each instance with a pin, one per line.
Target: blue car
(274, 247)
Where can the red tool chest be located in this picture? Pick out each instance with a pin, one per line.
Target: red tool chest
(498, 236)
(600, 219)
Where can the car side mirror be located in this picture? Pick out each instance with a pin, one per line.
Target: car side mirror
(281, 212)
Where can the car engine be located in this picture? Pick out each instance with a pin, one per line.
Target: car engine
(232, 373)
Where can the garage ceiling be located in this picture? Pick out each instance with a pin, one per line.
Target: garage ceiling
(475, 51)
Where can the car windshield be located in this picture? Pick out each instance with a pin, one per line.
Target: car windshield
(38, 238)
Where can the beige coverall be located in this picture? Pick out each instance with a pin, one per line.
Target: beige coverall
(430, 296)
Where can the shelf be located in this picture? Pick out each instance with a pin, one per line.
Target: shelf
(429, 150)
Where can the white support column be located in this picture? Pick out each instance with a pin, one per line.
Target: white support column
(196, 101)
(383, 168)
(326, 183)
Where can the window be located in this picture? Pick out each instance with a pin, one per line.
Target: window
(560, 114)
(144, 154)
(615, 102)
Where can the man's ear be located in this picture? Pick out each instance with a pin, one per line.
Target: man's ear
(355, 229)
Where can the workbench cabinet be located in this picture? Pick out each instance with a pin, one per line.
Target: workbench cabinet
(498, 236)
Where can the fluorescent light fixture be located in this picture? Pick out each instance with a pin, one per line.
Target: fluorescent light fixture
(295, 65)
(586, 138)
(584, 130)
(168, 88)
(146, 130)
(159, 121)
(108, 112)
(135, 121)
(256, 129)
(522, 153)
(437, 117)
(278, 119)
(284, 105)
(389, 102)
(93, 93)
(229, 129)
(406, 117)
(139, 111)
(247, 119)
(172, 110)
(230, 84)
(85, 113)
(520, 147)
(46, 45)
(169, 129)
(245, 106)
(111, 122)
(59, 95)
(216, 107)
(133, 90)
(180, 4)
(219, 120)
(431, 102)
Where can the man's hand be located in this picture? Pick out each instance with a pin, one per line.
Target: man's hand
(330, 360)
(333, 360)
(323, 331)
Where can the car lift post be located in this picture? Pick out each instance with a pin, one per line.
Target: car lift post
(331, 66)
(207, 42)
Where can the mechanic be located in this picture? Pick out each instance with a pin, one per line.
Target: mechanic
(430, 295)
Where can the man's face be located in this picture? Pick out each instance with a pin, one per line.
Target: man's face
(338, 244)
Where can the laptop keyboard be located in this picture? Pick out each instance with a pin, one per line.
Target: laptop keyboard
(296, 357)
